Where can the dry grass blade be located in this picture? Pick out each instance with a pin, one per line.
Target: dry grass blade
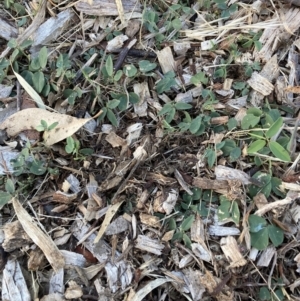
(112, 210)
(142, 293)
(41, 239)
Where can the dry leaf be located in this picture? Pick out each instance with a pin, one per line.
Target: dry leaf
(31, 118)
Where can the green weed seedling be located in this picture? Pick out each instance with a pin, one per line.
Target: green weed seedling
(265, 294)
(261, 232)
(190, 205)
(268, 138)
(44, 126)
(7, 195)
(228, 211)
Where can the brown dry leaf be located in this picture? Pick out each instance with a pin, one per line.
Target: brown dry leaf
(31, 118)
(42, 240)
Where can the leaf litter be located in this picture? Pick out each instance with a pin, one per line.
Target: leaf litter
(185, 185)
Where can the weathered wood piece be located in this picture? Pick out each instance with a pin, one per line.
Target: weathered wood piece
(106, 7)
(51, 29)
(7, 31)
(232, 252)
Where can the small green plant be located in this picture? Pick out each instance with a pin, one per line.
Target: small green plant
(28, 162)
(169, 109)
(250, 68)
(197, 203)
(228, 211)
(226, 10)
(272, 295)
(264, 139)
(166, 83)
(261, 232)
(198, 78)
(73, 147)
(7, 195)
(44, 126)
(252, 39)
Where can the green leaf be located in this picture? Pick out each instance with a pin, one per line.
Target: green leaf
(20, 9)
(231, 124)
(172, 224)
(279, 152)
(170, 115)
(4, 198)
(228, 147)
(235, 154)
(187, 223)
(276, 235)
(187, 241)
(235, 213)
(199, 78)
(166, 83)
(223, 210)
(276, 182)
(176, 23)
(109, 66)
(249, 121)
(38, 81)
(34, 64)
(177, 236)
(197, 193)
(10, 186)
(211, 157)
(264, 294)
(146, 66)
(260, 239)
(26, 44)
(165, 109)
(71, 95)
(256, 146)
(43, 55)
(195, 125)
(274, 129)
(52, 126)
(12, 43)
(266, 187)
(112, 118)
(112, 104)
(133, 98)
(118, 75)
(86, 151)
(14, 54)
(130, 70)
(37, 168)
(182, 106)
(256, 223)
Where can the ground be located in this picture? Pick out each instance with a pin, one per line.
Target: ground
(149, 150)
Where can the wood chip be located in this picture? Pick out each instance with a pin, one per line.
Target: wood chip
(231, 250)
(148, 244)
(106, 8)
(260, 84)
